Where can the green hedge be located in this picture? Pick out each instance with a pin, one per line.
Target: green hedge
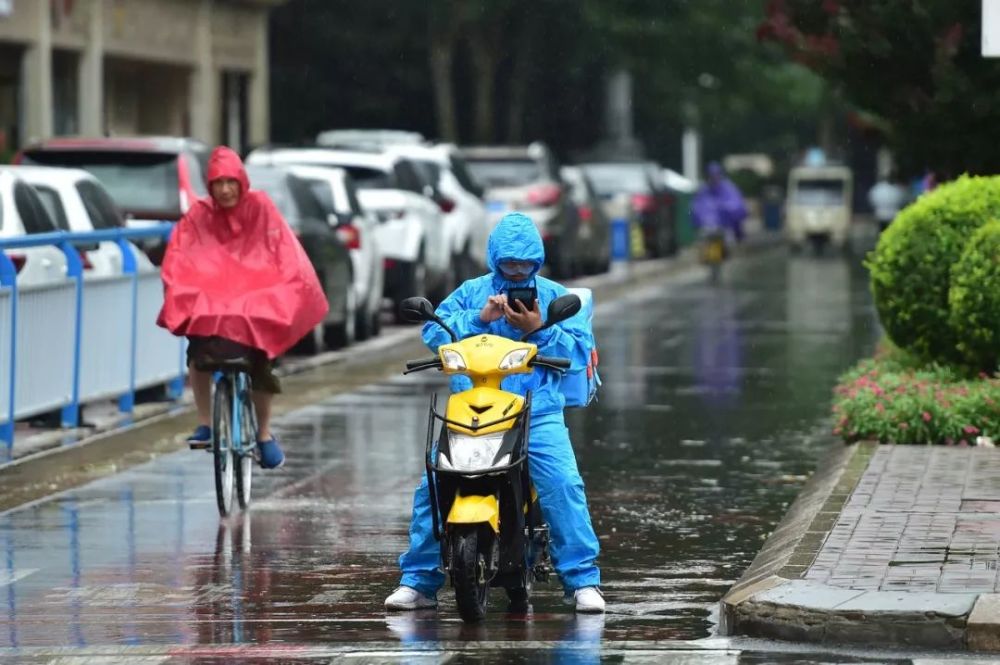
(974, 299)
(892, 398)
(911, 265)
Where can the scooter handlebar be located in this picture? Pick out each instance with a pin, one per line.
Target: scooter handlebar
(423, 363)
(560, 364)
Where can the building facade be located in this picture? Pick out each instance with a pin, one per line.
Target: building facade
(123, 67)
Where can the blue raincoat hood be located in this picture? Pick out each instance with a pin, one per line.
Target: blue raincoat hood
(515, 237)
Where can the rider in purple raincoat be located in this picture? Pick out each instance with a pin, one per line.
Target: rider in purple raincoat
(719, 204)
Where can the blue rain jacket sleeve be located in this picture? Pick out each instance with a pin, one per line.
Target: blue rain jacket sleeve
(460, 311)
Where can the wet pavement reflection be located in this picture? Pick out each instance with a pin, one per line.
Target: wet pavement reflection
(713, 411)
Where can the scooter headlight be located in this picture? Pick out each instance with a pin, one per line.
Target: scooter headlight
(452, 360)
(514, 359)
(474, 453)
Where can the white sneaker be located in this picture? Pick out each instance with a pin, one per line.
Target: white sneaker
(408, 598)
(589, 600)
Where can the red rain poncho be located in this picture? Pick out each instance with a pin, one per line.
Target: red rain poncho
(239, 273)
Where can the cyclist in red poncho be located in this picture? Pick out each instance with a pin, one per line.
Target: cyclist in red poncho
(234, 272)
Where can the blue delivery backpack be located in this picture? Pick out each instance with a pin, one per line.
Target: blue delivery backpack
(580, 384)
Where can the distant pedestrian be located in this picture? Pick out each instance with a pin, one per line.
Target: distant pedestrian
(886, 198)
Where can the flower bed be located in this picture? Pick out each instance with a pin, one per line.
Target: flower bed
(892, 398)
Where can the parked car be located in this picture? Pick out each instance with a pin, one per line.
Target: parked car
(295, 198)
(152, 179)
(77, 201)
(410, 230)
(526, 179)
(22, 213)
(636, 188)
(591, 246)
(466, 223)
(336, 192)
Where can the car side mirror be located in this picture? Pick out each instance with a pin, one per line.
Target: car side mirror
(417, 310)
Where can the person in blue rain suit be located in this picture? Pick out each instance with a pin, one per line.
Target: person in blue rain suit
(480, 306)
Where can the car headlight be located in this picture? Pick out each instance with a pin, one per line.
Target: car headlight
(474, 453)
(514, 359)
(452, 360)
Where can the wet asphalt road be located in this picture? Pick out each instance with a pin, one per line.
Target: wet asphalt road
(713, 411)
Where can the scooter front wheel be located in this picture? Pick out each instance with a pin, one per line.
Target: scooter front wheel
(469, 573)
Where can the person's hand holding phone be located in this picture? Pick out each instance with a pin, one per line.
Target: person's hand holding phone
(522, 318)
(494, 308)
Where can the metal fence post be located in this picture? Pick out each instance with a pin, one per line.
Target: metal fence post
(8, 277)
(126, 403)
(74, 270)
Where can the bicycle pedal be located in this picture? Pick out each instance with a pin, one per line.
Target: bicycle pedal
(200, 445)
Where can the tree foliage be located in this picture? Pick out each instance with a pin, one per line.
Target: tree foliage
(916, 64)
(514, 71)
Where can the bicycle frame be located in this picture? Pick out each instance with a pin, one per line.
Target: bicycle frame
(240, 389)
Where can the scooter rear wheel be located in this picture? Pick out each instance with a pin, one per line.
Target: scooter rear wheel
(468, 574)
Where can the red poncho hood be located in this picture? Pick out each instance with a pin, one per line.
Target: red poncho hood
(239, 273)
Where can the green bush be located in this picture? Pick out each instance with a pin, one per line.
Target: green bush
(974, 299)
(911, 265)
(887, 400)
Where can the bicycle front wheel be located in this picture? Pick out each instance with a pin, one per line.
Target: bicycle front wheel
(248, 434)
(222, 446)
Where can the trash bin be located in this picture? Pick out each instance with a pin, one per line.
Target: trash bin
(771, 200)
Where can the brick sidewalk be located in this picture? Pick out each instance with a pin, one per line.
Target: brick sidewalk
(920, 519)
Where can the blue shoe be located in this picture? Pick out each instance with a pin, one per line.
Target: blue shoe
(271, 456)
(201, 438)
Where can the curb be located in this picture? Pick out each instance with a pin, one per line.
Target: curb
(772, 600)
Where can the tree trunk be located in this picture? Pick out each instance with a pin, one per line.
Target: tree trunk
(444, 90)
(484, 64)
(445, 18)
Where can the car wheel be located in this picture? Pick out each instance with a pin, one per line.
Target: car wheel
(311, 344)
(362, 324)
(413, 283)
(343, 334)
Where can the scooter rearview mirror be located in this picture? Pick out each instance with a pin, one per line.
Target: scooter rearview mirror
(563, 308)
(559, 310)
(416, 310)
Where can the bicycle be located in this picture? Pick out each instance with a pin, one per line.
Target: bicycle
(234, 421)
(234, 434)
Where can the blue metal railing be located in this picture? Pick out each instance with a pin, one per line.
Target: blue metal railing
(67, 243)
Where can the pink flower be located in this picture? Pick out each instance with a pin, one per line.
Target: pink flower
(926, 416)
(879, 407)
(969, 429)
(837, 431)
(903, 426)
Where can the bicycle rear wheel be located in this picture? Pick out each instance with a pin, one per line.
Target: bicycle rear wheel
(222, 445)
(248, 440)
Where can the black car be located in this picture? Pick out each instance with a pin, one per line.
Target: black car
(296, 199)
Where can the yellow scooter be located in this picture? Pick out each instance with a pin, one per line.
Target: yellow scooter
(485, 511)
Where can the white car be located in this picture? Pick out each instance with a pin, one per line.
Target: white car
(77, 201)
(410, 230)
(357, 229)
(23, 213)
(466, 223)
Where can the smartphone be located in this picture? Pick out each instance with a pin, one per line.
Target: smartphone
(526, 296)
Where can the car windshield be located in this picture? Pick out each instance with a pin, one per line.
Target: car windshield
(819, 192)
(611, 179)
(141, 183)
(504, 172)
